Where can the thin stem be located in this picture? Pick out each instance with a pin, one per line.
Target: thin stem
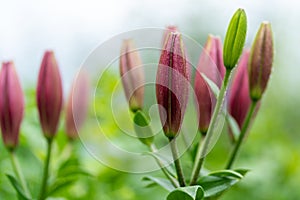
(46, 171)
(201, 141)
(163, 168)
(18, 172)
(202, 150)
(177, 162)
(242, 135)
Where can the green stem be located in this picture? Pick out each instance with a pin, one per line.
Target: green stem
(242, 135)
(18, 173)
(46, 170)
(177, 162)
(163, 168)
(202, 150)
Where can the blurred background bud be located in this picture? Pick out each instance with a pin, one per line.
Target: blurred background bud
(210, 65)
(172, 83)
(261, 60)
(11, 105)
(235, 39)
(49, 94)
(132, 75)
(77, 105)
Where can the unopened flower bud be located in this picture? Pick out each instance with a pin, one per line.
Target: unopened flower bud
(172, 84)
(11, 105)
(49, 95)
(77, 105)
(132, 75)
(235, 39)
(210, 65)
(261, 60)
(239, 98)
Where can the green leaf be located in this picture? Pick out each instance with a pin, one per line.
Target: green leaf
(214, 88)
(164, 161)
(164, 183)
(234, 127)
(71, 167)
(59, 184)
(235, 39)
(215, 183)
(242, 171)
(142, 128)
(73, 171)
(17, 187)
(67, 174)
(226, 173)
(187, 193)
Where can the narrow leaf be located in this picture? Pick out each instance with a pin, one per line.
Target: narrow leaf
(17, 187)
(164, 183)
(164, 161)
(214, 88)
(234, 127)
(226, 173)
(60, 184)
(215, 183)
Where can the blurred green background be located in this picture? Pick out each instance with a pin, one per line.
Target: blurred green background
(74, 29)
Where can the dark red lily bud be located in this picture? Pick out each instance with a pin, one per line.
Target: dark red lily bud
(132, 75)
(49, 95)
(261, 60)
(11, 105)
(210, 65)
(77, 105)
(172, 83)
(239, 98)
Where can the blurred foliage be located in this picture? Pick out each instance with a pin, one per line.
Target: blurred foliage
(271, 152)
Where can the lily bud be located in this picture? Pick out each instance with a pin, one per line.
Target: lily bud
(77, 105)
(11, 105)
(49, 95)
(261, 60)
(210, 65)
(172, 83)
(239, 98)
(235, 39)
(132, 75)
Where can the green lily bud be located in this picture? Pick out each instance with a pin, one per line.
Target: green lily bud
(235, 39)
(260, 62)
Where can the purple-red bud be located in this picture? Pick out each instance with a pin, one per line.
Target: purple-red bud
(11, 105)
(49, 95)
(260, 61)
(132, 75)
(77, 105)
(211, 65)
(172, 84)
(239, 98)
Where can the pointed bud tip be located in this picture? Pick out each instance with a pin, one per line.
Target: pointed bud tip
(49, 53)
(235, 39)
